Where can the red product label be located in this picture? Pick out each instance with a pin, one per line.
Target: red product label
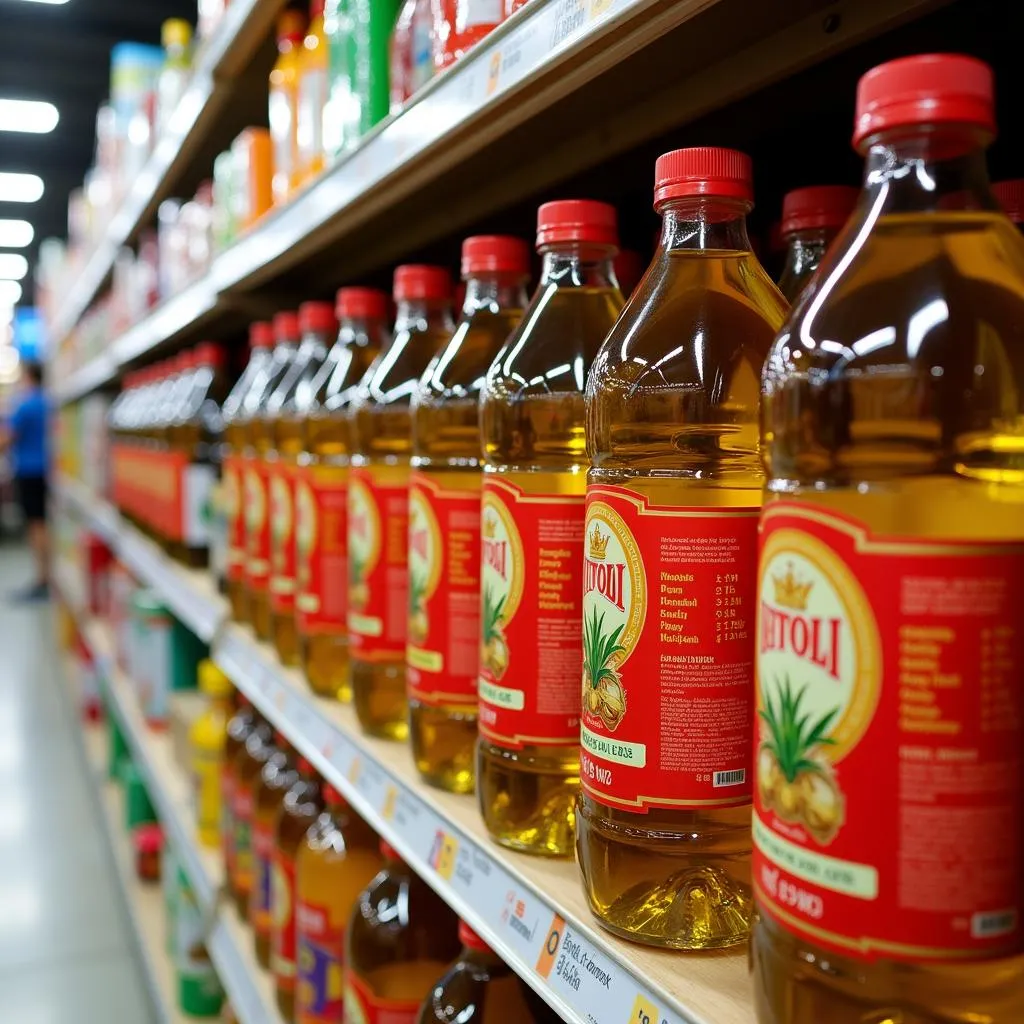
(363, 1006)
(378, 573)
(532, 605)
(320, 945)
(233, 475)
(890, 745)
(668, 652)
(282, 949)
(321, 536)
(263, 875)
(443, 654)
(257, 523)
(281, 487)
(151, 485)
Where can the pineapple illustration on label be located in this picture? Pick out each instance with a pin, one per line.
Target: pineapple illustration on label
(424, 563)
(364, 547)
(501, 583)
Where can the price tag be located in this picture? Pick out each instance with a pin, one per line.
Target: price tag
(644, 1012)
(444, 854)
(598, 8)
(493, 72)
(387, 812)
(355, 770)
(549, 950)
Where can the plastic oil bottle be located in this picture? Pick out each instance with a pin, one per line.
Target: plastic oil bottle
(301, 808)
(321, 493)
(261, 457)
(284, 101)
(670, 567)
(532, 522)
(888, 833)
(312, 96)
(378, 498)
(235, 411)
(401, 938)
(442, 656)
(257, 750)
(285, 410)
(240, 726)
(811, 219)
(336, 861)
(208, 740)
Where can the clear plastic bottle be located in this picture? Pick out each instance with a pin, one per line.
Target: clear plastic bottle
(378, 499)
(284, 101)
(234, 412)
(535, 462)
(811, 219)
(311, 99)
(321, 492)
(286, 410)
(442, 656)
(337, 860)
(260, 457)
(670, 571)
(888, 836)
(401, 937)
(259, 747)
(176, 39)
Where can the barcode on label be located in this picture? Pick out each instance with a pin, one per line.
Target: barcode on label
(992, 923)
(733, 778)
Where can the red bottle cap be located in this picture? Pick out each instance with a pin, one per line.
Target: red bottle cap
(1011, 198)
(286, 326)
(148, 838)
(304, 766)
(317, 317)
(819, 206)
(361, 304)
(183, 361)
(209, 353)
(495, 254)
(577, 220)
(629, 268)
(332, 797)
(261, 334)
(291, 25)
(932, 88)
(387, 850)
(470, 939)
(703, 171)
(419, 281)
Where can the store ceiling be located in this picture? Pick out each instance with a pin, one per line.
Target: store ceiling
(61, 53)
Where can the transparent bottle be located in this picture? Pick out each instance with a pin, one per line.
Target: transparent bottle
(321, 492)
(302, 806)
(234, 412)
(337, 860)
(811, 219)
(284, 101)
(401, 937)
(442, 656)
(287, 409)
(260, 459)
(888, 834)
(258, 749)
(670, 571)
(311, 99)
(378, 499)
(479, 988)
(240, 727)
(535, 462)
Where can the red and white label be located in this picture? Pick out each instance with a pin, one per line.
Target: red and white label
(320, 947)
(281, 488)
(443, 652)
(531, 581)
(890, 739)
(321, 549)
(378, 572)
(233, 475)
(668, 652)
(282, 947)
(363, 1006)
(257, 523)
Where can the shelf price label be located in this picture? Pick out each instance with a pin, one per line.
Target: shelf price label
(354, 770)
(387, 812)
(549, 950)
(645, 1012)
(443, 854)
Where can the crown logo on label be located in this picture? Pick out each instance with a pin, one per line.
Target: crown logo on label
(598, 544)
(490, 528)
(790, 592)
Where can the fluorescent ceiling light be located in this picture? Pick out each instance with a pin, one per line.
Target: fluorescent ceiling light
(10, 293)
(35, 116)
(53, 3)
(13, 266)
(20, 188)
(15, 234)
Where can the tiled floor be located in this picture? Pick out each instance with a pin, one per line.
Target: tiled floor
(66, 947)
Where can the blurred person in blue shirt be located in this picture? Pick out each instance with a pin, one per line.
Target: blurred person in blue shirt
(25, 441)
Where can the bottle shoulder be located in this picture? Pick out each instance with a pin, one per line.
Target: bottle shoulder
(394, 375)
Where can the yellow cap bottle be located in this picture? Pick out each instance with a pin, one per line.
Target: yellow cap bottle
(206, 739)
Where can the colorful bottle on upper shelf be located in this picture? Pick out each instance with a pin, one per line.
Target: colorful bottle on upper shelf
(442, 656)
(311, 99)
(286, 410)
(378, 499)
(670, 571)
(460, 24)
(260, 463)
(888, 827)
(336, 861)
(284, 101)
(401, 937)
(811, 219)
(321, 493)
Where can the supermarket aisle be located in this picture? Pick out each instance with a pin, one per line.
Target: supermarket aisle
(66, 953)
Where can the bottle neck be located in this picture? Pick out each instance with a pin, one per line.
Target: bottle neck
(578, 265)
(805, 249)
(423, 315)
(940, 170)
(494, 292)
(705, 223)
